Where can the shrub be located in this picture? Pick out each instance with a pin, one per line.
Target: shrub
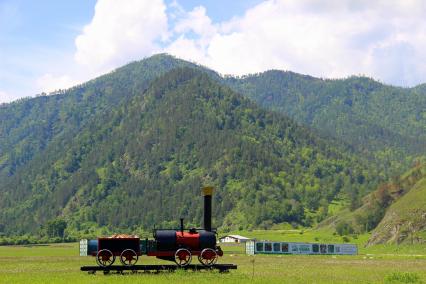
(402, 277)
(346, 239)
(344, 228)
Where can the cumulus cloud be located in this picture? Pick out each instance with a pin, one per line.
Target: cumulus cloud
(120, 31)
(195, 32)
(382, 39)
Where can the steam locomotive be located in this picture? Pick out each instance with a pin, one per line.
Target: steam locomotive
(178, 245)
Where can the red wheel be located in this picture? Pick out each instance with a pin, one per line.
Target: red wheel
(105, 258)
(129, 257)
(208, 257)
(183, 257)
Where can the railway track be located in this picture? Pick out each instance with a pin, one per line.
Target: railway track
(156, 268)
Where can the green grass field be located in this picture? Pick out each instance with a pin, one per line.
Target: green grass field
(60, 263)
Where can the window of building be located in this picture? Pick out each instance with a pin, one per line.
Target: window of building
(268, 247)
(277, 246)
(304, 248)
(259, 246)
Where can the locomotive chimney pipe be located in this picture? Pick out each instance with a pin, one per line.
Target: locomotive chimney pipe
(208, 192)
(181, 225)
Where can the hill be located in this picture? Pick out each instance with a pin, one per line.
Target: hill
(130, 149)
(394, 212)
(405, 219)
(27, 126)
(384, 122)
(127, 153)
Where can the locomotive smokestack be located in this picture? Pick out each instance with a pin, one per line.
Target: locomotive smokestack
(208, 192)
(181, 225)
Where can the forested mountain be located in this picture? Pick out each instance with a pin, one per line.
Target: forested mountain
(132, 148)
(143, 160)
(28, 125)
(385, 122)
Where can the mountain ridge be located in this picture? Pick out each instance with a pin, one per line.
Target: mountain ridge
(308, 100)
(161, 143)
(70, 153)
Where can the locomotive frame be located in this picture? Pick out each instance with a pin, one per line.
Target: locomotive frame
(178, 245)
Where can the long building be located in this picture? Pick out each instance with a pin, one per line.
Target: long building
(273, 247)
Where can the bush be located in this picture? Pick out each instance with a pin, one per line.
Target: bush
(344, 228)
(346, 239)
(402, 277)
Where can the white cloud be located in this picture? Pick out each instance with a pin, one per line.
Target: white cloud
(7, 97)
(120, 32)
(382, 39)
(50, 83)
(195, 31)
(198, 22)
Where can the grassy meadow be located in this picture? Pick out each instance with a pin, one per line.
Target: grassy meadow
(60, 263)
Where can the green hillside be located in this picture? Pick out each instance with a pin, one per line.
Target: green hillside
(394, 213)
(143, 161)
(384, 122)
(131, 149)
(27, 126)
(405, 220)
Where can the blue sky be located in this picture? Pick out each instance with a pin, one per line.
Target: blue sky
(47, 45)
(34, 36)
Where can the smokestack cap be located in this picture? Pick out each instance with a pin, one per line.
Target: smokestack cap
(208, 190)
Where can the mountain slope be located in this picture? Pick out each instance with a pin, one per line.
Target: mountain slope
(28, 125)
(142, 163)
(394, 212)
(131, 148)
(405, 220)
(385, 121)
(380, 121)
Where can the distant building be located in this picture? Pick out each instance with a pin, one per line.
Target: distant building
(275, 247)
(233, 239)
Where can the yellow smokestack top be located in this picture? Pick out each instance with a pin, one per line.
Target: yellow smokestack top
(208, 190)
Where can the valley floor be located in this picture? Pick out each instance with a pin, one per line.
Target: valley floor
(60, 263)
